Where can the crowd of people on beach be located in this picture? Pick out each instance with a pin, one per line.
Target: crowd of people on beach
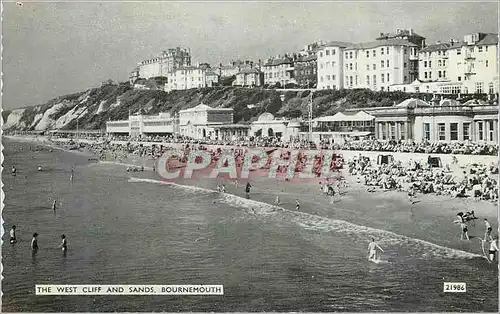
(479, 180)
(456, 148)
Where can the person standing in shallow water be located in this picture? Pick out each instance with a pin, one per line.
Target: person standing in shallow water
(13, 235)
(64, 243)
(34, 242)
(247, 189)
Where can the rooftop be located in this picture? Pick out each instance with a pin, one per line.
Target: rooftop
(383, 42)
(442, 46)
(489, 39)
(249, 71)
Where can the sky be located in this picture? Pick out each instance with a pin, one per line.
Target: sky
(56, 48)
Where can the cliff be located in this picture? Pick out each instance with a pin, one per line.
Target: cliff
(112, 102)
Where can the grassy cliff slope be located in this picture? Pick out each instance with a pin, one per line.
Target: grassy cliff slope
(95, 106)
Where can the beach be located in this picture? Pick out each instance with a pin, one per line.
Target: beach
(269, 258)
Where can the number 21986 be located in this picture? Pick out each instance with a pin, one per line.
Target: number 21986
(455, 287)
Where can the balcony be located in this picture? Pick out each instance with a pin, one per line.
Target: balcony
(469, 71)
(469, 56)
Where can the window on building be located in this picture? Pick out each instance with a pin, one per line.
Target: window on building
(439, 73)
(387, 64)
(327, 64)
(350, 80)
(347, 55)
(430, 64)
(486, 63)
(404, 51)
(454, 131)
(328, 77)
(333, 77)
(327, 86)
(444, 73)
(382, 76)
(441, 131)
(320, 54)
(425, 74)
(333, 52)
(382, 50)
(367, 80)
(406, 78)
(480, 130)
(387, 50)
(404, 65)
(486, 48)
(491, 131)
(459, 78)
(374, 53)
(459, 51)
(491, 89)
(350, 54)
(425, 64)
(466, 133)
(327, 52)
(374, 80)
(427, 131)
(480, 49)
(393, 130)
(321, 79)
(367, 67)
(382, 63)
(479, 87)
(368, 54)
(387, 77)
(374, 66)
(350, 66)
(444, 63)
(439, 63)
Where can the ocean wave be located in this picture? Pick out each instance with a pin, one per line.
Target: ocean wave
(418, 248)
(122, 164)
(172, 184)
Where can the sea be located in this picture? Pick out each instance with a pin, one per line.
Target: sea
(129, 228)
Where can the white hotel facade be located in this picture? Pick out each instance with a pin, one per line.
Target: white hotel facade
(466, 67)
(390, 59)
(401, 61)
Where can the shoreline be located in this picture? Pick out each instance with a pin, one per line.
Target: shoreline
(429, 220)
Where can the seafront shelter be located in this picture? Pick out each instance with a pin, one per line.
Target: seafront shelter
(343, 126)
(201, 121)
(143, 125)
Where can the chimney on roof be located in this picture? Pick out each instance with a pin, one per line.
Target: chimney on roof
(411, 31)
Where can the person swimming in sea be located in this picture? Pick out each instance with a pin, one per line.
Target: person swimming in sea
(297, 204)
(54, 204)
